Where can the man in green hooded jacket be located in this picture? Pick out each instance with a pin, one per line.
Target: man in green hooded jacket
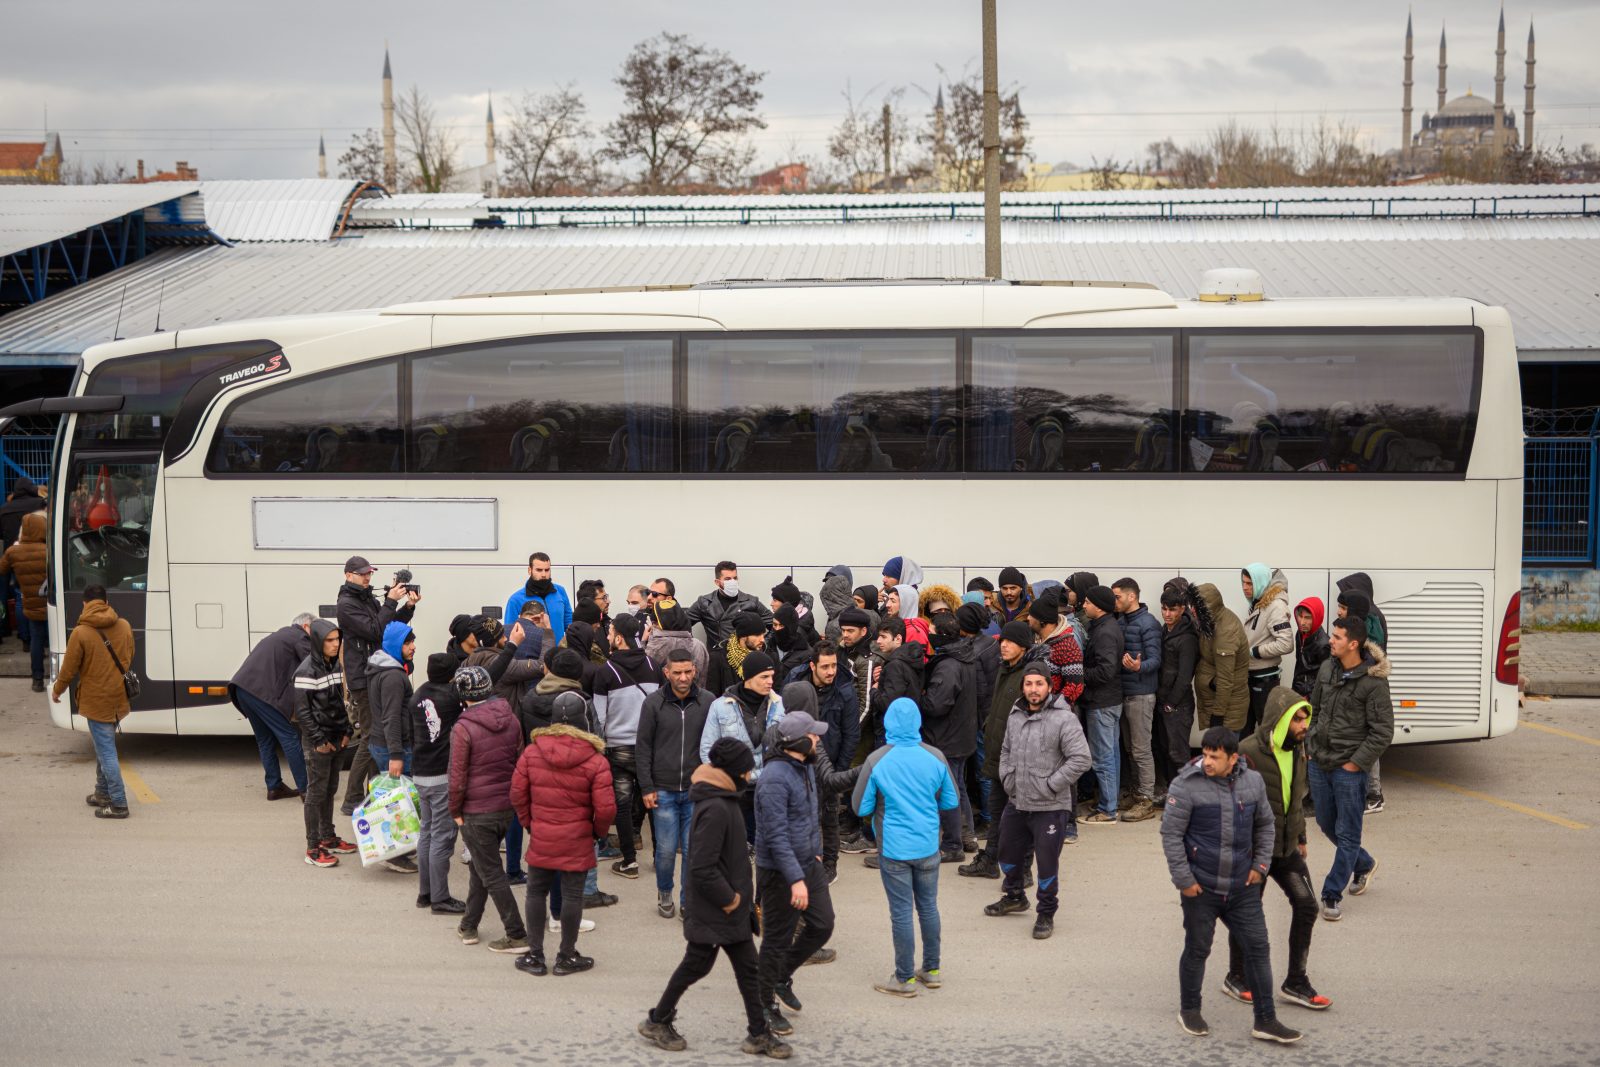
(1277, 752)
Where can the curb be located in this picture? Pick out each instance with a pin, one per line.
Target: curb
(1557, 685)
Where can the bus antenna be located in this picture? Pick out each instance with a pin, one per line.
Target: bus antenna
(160, 294)
(116, 331)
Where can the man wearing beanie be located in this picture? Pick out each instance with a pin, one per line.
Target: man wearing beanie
(483, 752)
(1014, 597)
(717, 908)
(1015, 649)
(1102, 699)
(669, 630)
(786, 592)
(790, 643)
(950, 724)
(1043, 754)
(744, 712)
(621, 687)
(727, 659)
(435, 707)
(906, 575)
(563, 673)
(561, 790)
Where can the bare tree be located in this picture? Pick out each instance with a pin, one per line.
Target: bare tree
(866, 135)
(429, 145)
(963, 135)
(103, 172)
(546, 150)
(363, 160)
(685, 111)
(1107, 173)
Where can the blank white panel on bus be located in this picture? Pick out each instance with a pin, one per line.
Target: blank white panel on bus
(381, 524)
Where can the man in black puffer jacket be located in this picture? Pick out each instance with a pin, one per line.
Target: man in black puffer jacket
(1101, 703)
(950, 724)
(324, 732)
(434, 709)
(362, 620)
(716, 911)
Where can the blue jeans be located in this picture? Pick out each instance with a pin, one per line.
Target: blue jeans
(908, 883)
(1341, 800)
(983, 782)
(380, 758)
(514, 849)
(673, 812)
(37, 634)
(107, 772)
(1104, 726)
(272, 730)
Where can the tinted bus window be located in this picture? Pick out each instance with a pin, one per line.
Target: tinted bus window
(108, 515)
(819, 404)
(544, 405)
(1071, 403)
(1369, 403)
(344, 423)
(154, 385)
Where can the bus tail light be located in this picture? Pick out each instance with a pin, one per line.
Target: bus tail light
(1508, 654)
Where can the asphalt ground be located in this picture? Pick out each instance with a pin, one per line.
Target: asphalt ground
(194, 933)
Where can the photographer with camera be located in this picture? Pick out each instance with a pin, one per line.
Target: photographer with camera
(362, 617)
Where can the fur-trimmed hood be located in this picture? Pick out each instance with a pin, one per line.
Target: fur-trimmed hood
(561, 729)
(934, 592)
(1380, 666)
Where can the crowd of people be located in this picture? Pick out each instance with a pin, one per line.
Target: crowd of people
(903, 722)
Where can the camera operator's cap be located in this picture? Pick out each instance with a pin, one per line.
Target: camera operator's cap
(796, 724)
(358, 565)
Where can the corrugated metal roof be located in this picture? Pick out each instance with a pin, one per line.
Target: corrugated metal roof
(1547, 283)
(33, 215)
(294, 209)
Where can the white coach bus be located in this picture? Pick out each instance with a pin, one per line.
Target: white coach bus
(214, 480)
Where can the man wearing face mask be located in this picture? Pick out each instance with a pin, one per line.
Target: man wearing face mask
(716, 611)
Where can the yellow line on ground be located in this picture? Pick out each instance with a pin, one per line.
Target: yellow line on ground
(1509, 805)
(1542, 728)
(136, 786)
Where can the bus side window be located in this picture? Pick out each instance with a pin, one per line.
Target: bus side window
(345, 423)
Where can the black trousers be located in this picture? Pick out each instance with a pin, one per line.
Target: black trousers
(828, 816)
(1293, 877)
(782, 952)
(1039, 832)
(625, 786)
(1171, 740)
(361, 765)
(698, 959)
(1241, 914)
(997, 804)
(1261, 683)
(483, 834)
(322, 770)
(540, 879)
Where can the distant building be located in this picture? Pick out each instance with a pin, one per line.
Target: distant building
(1467, 124)
(31, 162)
(180, 172)
(1072, 178)
(788, 178)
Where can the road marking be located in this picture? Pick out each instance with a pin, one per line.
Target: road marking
(1509, 805)
(1542, 728)
(136, 786)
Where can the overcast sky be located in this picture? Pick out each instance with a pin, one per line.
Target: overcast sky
(244, 90)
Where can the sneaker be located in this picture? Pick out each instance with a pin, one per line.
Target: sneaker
(662, 1035)
(584, 926)
(318, 857)
(896, 988)
(468, 934)
(519, 945)
(401, 865)
(777, 1023)
(1071, 836)
(1363, 880)
(766, 1044)
(1233, 986)
(832, 871)
(982, 866)
(338, 846)
(423, 900)
(531, 963)
(572, 964)
(38, 685)
(952, 855)
(1374, 804)
(111, 811)
(283, 792)
(520, 878)
(822, 955)
(969, 843)
(1143, 808)
(451, 906)
(610, 852)
(931, 979)
(785, 993)
(1300, 992)
(870, 860)
(1330, 911)
(97, 800)
(1273, 1030)
(599, 900)
(626, 868)
(664, 905)
(1007, 905)
(1100, 818)
(1193, 1023)
(1043, 927)
(855, 845)
(1159, 800)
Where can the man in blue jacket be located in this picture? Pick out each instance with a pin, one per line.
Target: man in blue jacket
(790, 879)
(903, 787)
(557, 605)
(1141, 677)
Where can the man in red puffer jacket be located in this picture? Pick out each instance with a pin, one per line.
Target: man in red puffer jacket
(562, 794)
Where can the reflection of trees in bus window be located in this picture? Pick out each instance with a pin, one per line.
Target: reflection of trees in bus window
(345, 423)
(1351, 403)
(1071, 403)
(822, 404)
(544, 406)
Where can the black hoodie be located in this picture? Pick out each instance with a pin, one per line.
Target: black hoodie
(901, 677)
(1180, 652)
(434, 709)
(719, 864)
(950, 703)
(25, 499)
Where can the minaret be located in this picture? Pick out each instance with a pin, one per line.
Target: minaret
(322, 158)
(1405, 108)
(391, 165)
(1441, 69)
(1500, 86)
(491, 180)
(1527, 87)
(940, 147)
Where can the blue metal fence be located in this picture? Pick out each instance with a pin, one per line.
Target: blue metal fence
(26, 455)
(1558, 499)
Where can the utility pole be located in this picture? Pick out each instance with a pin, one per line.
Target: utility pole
(991, 144)
(888, 142)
